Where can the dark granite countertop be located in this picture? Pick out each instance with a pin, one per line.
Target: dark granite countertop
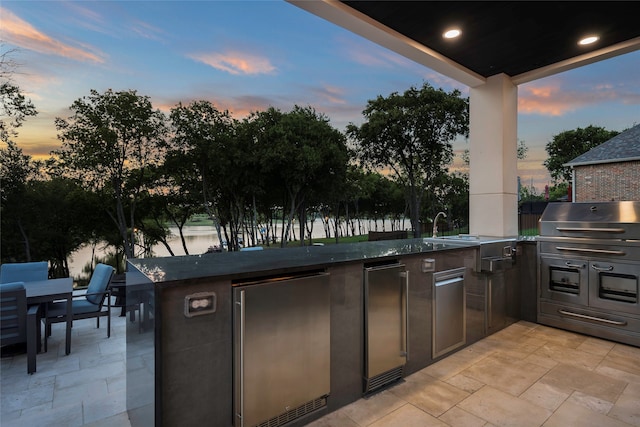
(240, 265)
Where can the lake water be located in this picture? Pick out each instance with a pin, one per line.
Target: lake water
(199, 239)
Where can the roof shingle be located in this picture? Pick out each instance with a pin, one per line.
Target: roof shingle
(621, 148)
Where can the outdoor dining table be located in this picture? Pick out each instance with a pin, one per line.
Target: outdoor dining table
(45, 291)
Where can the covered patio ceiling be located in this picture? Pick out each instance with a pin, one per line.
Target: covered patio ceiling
(500, 46)
(525, 40)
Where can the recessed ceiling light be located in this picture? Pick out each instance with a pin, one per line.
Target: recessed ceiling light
(452, 33)
(588, 40)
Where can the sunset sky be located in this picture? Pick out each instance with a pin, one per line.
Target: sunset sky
(248, 55)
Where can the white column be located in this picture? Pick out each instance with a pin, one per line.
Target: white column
(493, 171)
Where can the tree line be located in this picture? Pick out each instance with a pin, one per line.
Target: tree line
(126, 171)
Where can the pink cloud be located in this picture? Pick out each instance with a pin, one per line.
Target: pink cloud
(236, 62)
(18, 32)
(331, 94)
(552, 99)
(547, 100)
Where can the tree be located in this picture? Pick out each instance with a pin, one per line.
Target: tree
(452, 197)
(529, 194)
(411, 134)
(302, 155)
(14, 106)
(60, 217)
(568, 145)
(107, 145)
(202, 161)
(559, 191)
(174, 198)
(16, 169)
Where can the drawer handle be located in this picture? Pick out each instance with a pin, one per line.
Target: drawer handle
(596, 268)
(568, 264)
(592, 251)
(591, 229)
(597, 319)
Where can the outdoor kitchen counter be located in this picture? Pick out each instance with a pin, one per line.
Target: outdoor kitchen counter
(188, 354)
(241, 265)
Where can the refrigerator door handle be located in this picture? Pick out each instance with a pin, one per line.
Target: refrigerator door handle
(405, 351)
(241, 303)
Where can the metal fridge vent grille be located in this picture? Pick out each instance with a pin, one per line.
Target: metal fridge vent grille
(383, 379)
(295, 413)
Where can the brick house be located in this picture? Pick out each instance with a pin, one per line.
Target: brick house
(610, 171)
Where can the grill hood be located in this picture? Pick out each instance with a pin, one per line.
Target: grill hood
(601, 220)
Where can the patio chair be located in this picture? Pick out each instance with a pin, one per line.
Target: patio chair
(84, 306)
(24, 271)
(127, 303)
(19, 322)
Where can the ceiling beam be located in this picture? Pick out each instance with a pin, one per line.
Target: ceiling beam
(344, 16)
(579, 61)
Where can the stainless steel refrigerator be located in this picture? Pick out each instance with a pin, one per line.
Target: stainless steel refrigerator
(386, 301)
(281, 349)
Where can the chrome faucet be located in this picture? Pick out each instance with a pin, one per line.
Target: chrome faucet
(435, 223)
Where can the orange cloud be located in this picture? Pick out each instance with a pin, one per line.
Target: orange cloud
(546, 100)
(236, 62)
(18, 32)
(239, 107)
(551, 99)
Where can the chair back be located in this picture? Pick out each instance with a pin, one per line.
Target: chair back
(98, 284)
(13, 313)
(24, 271)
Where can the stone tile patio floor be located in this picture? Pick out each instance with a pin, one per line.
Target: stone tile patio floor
(86, 387)
(524, 375)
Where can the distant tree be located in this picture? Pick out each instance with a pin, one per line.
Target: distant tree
(16, 169)
(522, 150)
(173, 198)
(452, 197)
(384, 199)
(14, 106)
(530, 194)
(302, 155)
(357, 188)
(558, 191)
(570, 144)
(107, 145)
(42, 219)
(61, 216)
(204, 161)
(412, 134)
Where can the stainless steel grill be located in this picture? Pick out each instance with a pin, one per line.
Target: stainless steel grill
(589, 260)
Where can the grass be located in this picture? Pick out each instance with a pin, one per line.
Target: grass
(528, 232)
(348, 239)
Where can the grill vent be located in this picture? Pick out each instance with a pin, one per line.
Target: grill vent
(295, 413)
(383, 379)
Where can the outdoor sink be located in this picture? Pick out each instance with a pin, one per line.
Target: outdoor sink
(439, 245)
(465, 237)
(446, 242)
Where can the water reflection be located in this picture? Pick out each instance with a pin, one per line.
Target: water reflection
(198, 239)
